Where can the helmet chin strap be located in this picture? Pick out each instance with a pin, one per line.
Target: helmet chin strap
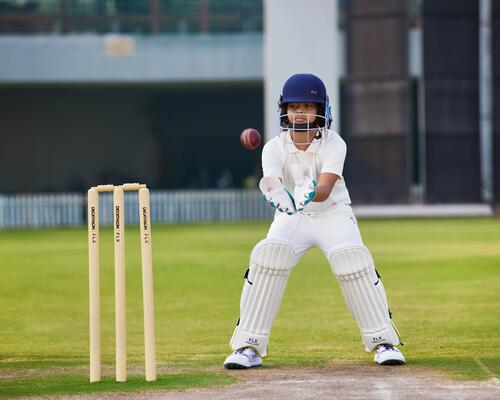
(302, 127)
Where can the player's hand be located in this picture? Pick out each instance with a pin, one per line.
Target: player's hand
(277, 195)
(303, 195)
(305, 186)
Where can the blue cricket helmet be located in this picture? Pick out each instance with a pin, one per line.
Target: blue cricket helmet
(305, 88)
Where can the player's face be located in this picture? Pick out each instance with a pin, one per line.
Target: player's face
(302, 113)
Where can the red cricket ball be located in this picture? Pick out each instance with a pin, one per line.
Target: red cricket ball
(250, 138)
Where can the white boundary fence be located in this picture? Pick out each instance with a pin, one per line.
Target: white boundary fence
(59, 210)
(184, 206)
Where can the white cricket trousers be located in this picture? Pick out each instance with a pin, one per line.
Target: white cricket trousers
(335, 228)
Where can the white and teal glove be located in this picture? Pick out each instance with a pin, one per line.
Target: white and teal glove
(277, 195)
(305, 186)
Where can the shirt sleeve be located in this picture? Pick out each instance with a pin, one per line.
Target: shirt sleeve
(272, 163)
(334, 157)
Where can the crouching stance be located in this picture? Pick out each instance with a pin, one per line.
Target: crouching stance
(303, 181)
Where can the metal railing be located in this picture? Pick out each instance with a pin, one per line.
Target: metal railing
(183, 206)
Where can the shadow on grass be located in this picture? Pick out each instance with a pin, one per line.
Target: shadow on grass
(463, 368)
(67, 384)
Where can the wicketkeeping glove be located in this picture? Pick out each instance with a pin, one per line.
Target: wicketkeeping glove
(277, 195)
(305, 186)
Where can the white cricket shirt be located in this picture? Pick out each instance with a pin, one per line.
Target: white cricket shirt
(324, 155)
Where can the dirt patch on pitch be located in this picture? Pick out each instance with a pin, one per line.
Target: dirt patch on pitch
(334, 382)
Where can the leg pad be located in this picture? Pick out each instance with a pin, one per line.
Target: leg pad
(265, 282)
(364, 294)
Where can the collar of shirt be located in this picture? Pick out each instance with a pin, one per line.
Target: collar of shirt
(313, 147)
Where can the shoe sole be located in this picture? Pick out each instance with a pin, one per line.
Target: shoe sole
(239, 366)
(392, 362)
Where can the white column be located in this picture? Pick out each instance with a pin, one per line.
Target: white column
(299, 37)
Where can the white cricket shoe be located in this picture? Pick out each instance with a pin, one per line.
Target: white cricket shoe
(387, 354)
(242, 359)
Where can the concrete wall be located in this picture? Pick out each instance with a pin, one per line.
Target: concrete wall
(113, 58)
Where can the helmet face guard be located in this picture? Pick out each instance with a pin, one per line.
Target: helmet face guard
(324, 119)
(304, 128)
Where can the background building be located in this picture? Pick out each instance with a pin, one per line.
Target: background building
(158, 90)
(155, 91)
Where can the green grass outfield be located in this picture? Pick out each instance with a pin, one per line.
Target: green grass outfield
(442, 277)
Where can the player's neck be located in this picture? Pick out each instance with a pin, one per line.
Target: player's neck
(302, 147)
(303, 140)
